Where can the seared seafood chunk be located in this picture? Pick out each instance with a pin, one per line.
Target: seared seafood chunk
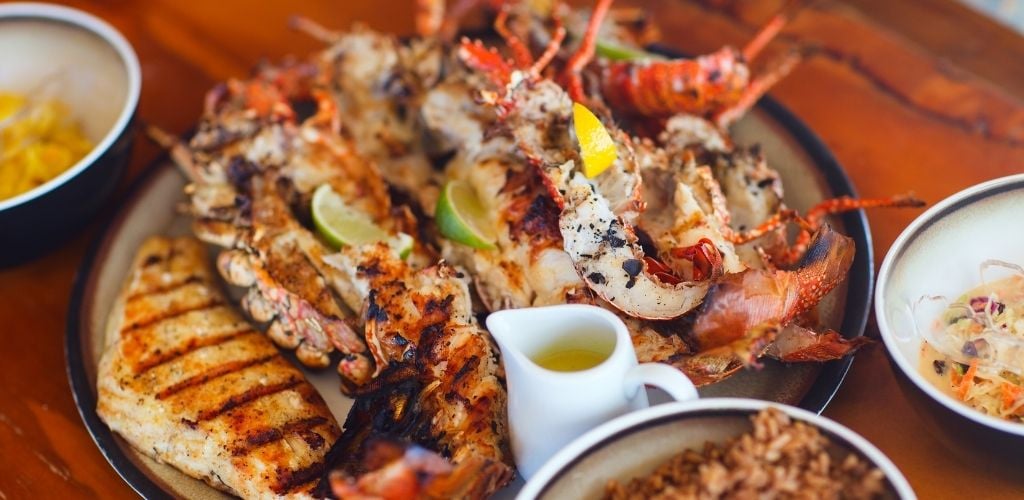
(439, 385)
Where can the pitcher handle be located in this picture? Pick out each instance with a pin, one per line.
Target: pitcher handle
(662, 376)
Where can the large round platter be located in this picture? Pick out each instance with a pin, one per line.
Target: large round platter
(810, 174)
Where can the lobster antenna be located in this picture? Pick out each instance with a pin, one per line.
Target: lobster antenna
(429, 17)
(313, 29)
(452, 18)
(556, 43)
(520, 52)
(764, 36)
(585, 53)
(753, 93)
(772, 28)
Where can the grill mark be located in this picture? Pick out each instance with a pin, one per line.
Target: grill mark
(289, 480)
(213, 373)
(310, 486)
(194, 344)
(209, 304)
(166, 288)
(270, 435)
(248, 396)
(159, 258)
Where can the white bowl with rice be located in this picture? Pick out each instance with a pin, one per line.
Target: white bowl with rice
(635, 445)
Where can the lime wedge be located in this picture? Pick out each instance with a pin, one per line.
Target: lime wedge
(616, 52)
(461, 216)
(596, 147)
(340, 224)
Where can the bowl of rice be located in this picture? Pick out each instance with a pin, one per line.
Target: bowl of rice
(69, 89)
(719, 448)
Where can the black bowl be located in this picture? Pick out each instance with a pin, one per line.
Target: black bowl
(99, 80)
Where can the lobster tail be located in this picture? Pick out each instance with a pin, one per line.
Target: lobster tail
(824, 265)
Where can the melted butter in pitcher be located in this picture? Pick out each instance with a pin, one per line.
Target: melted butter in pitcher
(567, 357)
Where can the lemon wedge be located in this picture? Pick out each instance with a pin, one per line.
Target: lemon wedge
(596, 147)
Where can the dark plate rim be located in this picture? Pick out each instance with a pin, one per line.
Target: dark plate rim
(82, 389)
(861, 277)
(818, 396)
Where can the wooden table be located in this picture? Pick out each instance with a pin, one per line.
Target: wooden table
(916, 95)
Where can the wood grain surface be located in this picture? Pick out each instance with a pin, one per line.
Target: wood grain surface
(902, 105)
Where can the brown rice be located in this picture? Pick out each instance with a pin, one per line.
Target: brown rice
(779, 459)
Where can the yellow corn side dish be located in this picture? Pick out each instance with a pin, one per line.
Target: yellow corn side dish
(36, 146)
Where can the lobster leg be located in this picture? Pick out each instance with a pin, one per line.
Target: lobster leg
(817, 214)
(780, 219)
(798, 344)
(450, 23)
(433, 19)
(520, 52)
(841, 204)
(814, 218)
(429, 17)
(552, 49)
(179, 152)
(316, 30)
(753, 93)
(585, 53)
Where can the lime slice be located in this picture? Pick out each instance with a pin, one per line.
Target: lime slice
(461, 216)
(616, 52)
(596, 147)
(402, 243)
(340, 224)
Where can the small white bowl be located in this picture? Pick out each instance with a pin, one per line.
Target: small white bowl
(100, 82)
(941, 253)
(636, 443)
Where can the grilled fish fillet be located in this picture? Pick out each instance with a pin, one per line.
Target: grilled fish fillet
(189, 382)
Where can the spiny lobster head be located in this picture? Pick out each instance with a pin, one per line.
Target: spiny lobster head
(503, 74)
(269, 94)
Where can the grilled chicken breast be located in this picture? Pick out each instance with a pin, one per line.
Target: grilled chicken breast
(189, 382)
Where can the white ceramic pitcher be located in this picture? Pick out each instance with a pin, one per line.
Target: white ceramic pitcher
(547, 409)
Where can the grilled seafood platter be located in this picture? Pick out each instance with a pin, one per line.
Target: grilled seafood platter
(590, 177)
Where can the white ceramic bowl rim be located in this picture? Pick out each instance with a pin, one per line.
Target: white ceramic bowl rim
(95, 25)
(942, 209)
(595, 437)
